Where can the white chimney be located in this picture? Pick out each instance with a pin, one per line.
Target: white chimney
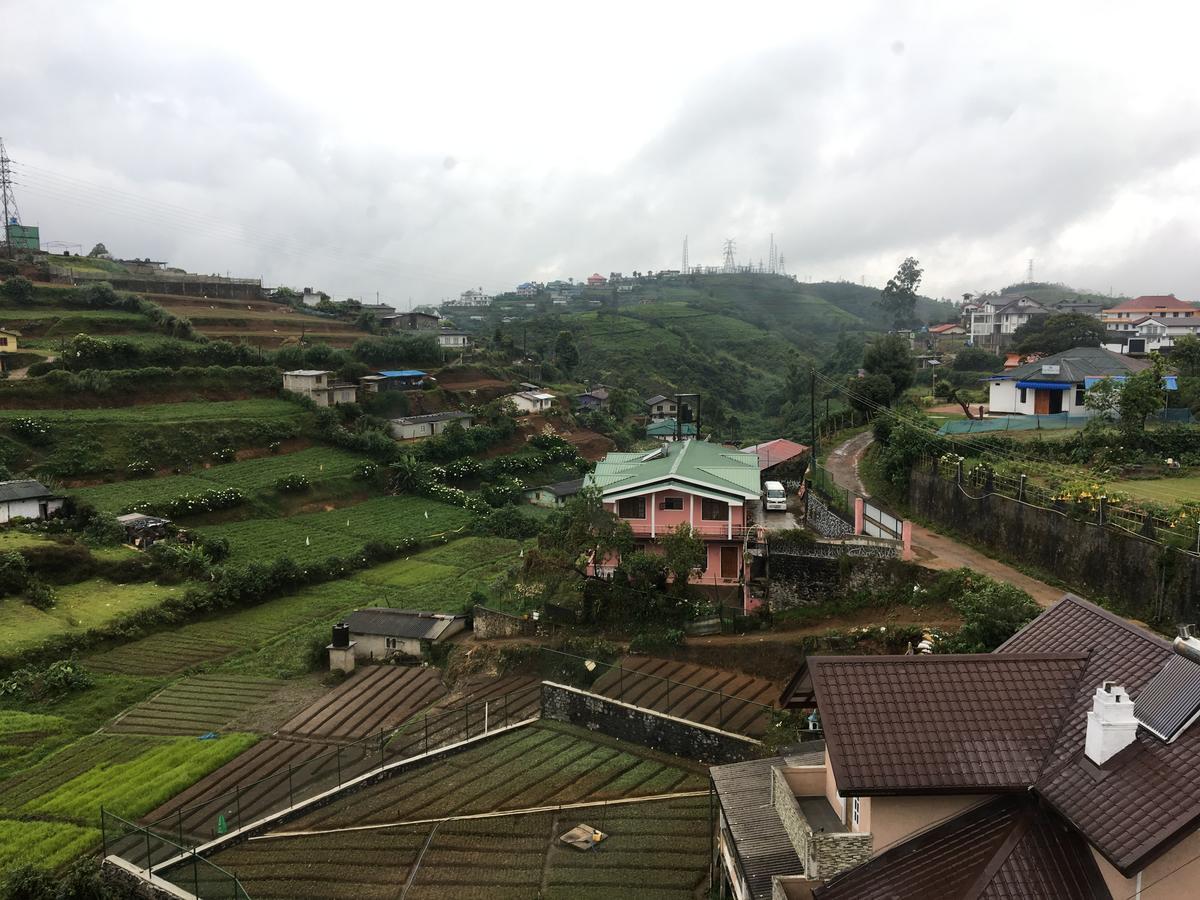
(1111, 726)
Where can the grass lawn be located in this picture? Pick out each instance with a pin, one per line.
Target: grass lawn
(84, 605)
(252, 476)
(164, 413)
(339, 532)
(1165, 491)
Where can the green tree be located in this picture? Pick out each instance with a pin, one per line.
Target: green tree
(870, 392)
(972, 359)
(1132, 400)
(1058, 332)
(899, 296)
(1185, 355)
(18, 289)
(683, 551)
(565, 352)
(992, 613)
(889, 355)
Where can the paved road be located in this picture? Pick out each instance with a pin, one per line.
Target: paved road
(933, 550)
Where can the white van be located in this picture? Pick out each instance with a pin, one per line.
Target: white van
(776, 496)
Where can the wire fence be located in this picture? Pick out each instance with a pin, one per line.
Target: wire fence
(680, 698)
(1181, 532)
(299, 770)
(1049, 422)
(836, 497)
(160, 857)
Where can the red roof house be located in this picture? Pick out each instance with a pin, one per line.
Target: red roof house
(596, 280)
(772, 453)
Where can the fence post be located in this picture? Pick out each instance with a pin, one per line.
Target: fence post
(237, 798)
(426, 732)
(467, 719)
(621, 680)
(195, 875)
(958, 473)
(147, 833)
(380, 748)
(291, 799)
(721, 710)
(1021, 489)
(339, 765)
(181, 826)
(485, 716)
(103, 834)
(506, 710)
(668, 696)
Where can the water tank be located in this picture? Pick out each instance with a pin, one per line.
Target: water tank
(341, 635)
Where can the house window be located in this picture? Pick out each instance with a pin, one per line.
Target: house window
(672, 503)
(714, 510)
(1023, 395)
(3, 342)
(854, 812)
(1079, 395)
(632, 508)
(391, 643)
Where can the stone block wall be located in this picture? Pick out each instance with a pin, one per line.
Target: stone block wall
(823, 520)
(1144, 579)
(644, 726)
(825, 854)
(490, 623)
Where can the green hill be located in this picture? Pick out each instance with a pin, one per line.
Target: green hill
(731, 338)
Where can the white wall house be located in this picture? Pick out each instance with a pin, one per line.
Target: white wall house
(1057, 383)
(454, 340)
(531, 401)
(318, 384)
(381, 633)
(27, 499)
(660, 407)
(409, 428)
(471, 298)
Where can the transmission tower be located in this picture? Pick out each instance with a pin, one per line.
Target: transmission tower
(782, 265)
(684, 270)
(730, 264)
(772, 257)
(1029, 273)
(7, 200)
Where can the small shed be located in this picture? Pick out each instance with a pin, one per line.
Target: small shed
(381, 633)
(27, 499)
(142, 531)
(408, 428)
(552, 495)
(393, 380)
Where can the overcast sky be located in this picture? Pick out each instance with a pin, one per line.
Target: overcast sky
(420, 149)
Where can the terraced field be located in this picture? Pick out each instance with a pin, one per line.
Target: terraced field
(657, 850)
(86, 604)
(22, 734)
(164, 413)
(716, 697)
(252, 476)
(259, 322)
(374, 698)
(273, 636)
(46, 844)
(339, 532)
(196, 705)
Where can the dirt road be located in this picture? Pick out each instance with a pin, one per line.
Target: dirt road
(933, 550)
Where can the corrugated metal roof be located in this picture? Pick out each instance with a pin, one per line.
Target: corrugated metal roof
(1077, 364)
(23, 489)
(432, 417)
(718, 468)
(308, 373)
(402, 373)
(405, 623)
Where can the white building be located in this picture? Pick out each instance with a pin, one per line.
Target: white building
(409, 428)
(318, 385)
(1058, 383)
(27, 499)
(454, 340)
(531, 401)
(381, 633)
(528, 289)
(471, 298)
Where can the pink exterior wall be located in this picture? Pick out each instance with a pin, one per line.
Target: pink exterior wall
(658, 520)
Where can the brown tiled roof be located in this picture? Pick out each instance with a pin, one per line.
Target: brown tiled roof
(1145, 799)
(764, 848)
(1008, 848)
(942, 724)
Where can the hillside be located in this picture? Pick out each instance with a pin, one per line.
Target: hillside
(1049, 294)
(731, 338)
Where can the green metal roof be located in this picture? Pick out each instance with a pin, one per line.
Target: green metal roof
(666, 428)
(724, 470)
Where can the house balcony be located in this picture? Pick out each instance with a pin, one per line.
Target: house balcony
(821, 840)
(706, 530)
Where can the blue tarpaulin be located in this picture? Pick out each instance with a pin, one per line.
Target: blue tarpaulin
(1045, 385)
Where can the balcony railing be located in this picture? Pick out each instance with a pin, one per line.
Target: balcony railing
(706, 529)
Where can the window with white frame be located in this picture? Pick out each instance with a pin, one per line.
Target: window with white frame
(854, 812)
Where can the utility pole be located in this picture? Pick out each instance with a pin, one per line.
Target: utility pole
(812, 409)
(7, 199)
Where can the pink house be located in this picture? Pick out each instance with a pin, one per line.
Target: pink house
(690, 482)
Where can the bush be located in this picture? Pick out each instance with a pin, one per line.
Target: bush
(509, 522)
(656, 641)
(14, 573)
(992, 613)
(140, 468)
(18, 289)
(224, 454)
(191, 504)
(30, 430)
(40, 595)
(293, 484)
(48, 683)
